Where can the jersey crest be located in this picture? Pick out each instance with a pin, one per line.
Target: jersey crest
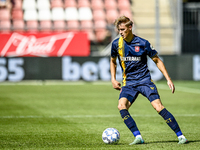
(137, 48)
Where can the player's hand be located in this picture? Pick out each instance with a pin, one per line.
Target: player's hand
(171, 85)
(116, 85)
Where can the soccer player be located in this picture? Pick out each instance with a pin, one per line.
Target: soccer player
(132, 52)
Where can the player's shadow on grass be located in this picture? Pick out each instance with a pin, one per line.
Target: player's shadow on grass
(156, 142)
(174, 141)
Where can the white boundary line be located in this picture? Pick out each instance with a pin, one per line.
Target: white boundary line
(106, 83)
(92, 116)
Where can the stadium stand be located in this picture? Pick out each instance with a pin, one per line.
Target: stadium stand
(90, 16)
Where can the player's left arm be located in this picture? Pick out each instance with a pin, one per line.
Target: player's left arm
(162, 68)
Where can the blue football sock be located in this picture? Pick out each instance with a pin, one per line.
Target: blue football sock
(171, 121)
(130, 123)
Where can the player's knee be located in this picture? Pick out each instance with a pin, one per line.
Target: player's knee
(158, 108)
(121, 106)
(157, 105)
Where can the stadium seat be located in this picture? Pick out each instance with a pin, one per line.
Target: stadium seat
(17, 14)
(17, 4)
(124, 5)
(71, 13)
(126, 12)
(73, 25)
(110, 4)
(99, 14)
(32, 25)
(43, 4)
(4, 14)
(44, 14)
(97, 4)
(100, 30)
(100, 24)
(58, 13)
(70, 3)
(30, 14)
(5, 26)
(59, 25)
(87, 26)
(83, 3)
(45, 26)
(18, 25)
(29, 4)
(111, 15)
(56, 3)
(85, 13)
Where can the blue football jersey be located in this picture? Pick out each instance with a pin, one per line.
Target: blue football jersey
(132, 57)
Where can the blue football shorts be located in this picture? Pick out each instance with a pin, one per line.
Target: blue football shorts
(148, 90)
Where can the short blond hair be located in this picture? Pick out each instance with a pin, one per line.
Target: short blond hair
(123, 19)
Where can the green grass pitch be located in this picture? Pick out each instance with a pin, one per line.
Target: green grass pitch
(73, 115)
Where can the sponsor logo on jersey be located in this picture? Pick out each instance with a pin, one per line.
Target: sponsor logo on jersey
(131, 58)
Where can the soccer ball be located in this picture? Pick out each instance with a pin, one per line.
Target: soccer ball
(110, 136)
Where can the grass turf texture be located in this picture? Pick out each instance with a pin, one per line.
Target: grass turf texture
(73, 116)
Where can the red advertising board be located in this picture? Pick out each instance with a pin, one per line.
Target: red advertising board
(44, 45)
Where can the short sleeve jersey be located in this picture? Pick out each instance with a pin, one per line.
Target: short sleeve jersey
(132, 57)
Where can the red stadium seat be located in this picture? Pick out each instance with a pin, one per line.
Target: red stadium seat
(99, 24)
(5, 26)
(56, 3)
(17, 5)
(124, 5)
(126, 12)
(17, 14)
(87, 26)
(83, 3)
(70, 3)
(97, 4)
(18, 25)
(73, 25)
(100, 30)
(4, 14)
(45, 26)
(111, 15)
(110, 4)
(59, 25)
(32, 25)
(99, 14)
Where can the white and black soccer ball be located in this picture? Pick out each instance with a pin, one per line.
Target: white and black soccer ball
(111, 136)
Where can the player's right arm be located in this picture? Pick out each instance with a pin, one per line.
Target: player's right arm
(113, 66)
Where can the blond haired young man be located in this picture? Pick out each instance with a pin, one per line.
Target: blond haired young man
(132, 52)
